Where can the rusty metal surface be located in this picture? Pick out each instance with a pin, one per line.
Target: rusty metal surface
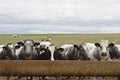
(61, 68)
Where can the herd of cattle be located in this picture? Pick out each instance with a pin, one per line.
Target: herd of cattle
(30, 50)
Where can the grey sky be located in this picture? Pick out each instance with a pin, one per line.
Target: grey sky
(59, 16)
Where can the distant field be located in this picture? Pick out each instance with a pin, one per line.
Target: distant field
(59, 39)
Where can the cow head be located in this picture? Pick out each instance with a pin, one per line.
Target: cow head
(8, 51)
(83, 51)
(46, 51)
(28, 49)
(76, 51)
(103, 49)
(114, 51)
(111, 45)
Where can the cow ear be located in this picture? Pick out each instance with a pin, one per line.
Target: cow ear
(36, 44)
(97, 44)
(20, 43)
(4, 47)
(17, 47)
(111, 45)
(76, 46)
(60, 49)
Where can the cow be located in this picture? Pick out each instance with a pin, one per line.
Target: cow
(102, 51)
(1, 48)
(95, 51)
(114, 51)
(8, 52)
(47, 51)
(16, 35)
(47, 38)
(26, 50)
(69, 52)
(86, 51)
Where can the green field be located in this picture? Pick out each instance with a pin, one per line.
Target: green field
(59, 39)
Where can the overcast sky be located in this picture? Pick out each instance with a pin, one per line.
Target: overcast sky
(59, 16)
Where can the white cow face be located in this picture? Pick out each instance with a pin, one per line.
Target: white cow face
(103, 49)
(28, 43)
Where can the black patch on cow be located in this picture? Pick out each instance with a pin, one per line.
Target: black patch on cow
(97, 44)
(6, 53)
(111, 45)
(17, 47)
(75, 46)
(60, 49)
(114, 52)
(36, 44)
(20, 43)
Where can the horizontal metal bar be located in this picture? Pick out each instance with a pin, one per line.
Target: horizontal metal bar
(59, 68)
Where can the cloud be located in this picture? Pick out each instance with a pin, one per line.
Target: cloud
(41, 9)
(67, 15)
(58, 29)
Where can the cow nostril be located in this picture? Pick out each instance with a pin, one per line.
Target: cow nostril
(27, 55)
(104, 54)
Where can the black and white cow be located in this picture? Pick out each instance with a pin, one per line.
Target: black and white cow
(114, 51)
(87, 51)
(47, 51)
(26, 50)
(8, 52)
(69, 52)
(103, 50)
(97, 51)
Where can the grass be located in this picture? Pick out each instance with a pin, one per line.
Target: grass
(60, 39)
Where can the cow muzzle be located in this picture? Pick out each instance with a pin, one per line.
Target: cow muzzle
(103, 54)
(28, 56)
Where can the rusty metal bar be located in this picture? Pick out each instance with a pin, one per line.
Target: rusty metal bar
(59, 68)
